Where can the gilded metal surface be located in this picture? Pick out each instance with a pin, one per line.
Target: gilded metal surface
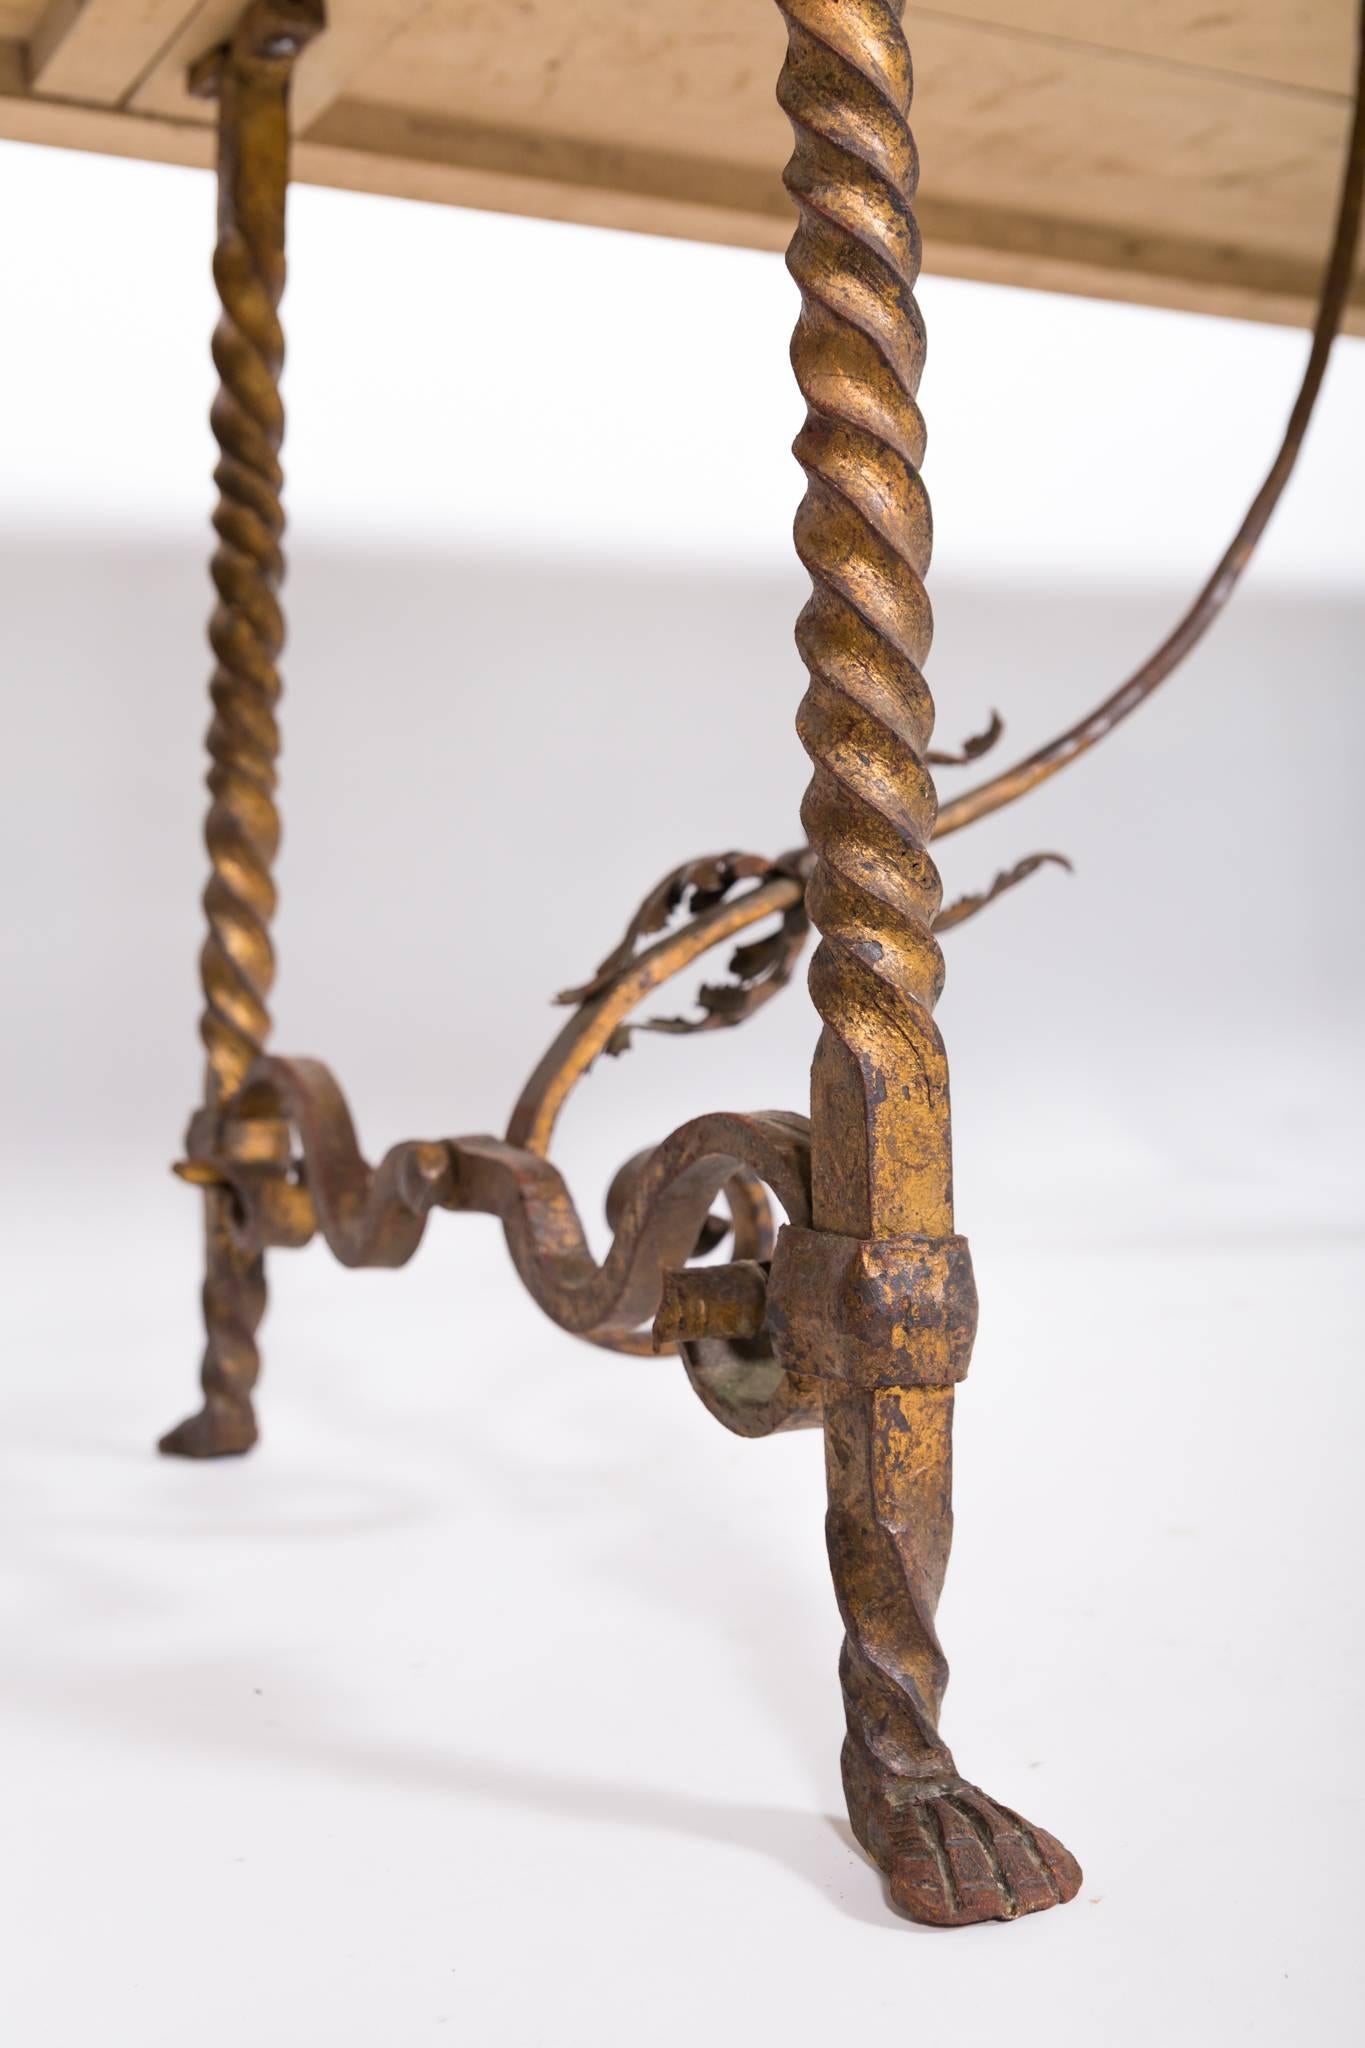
(704, 891)
(880, 1090)
(873, 1312)
(881, 1160)
(861, 1318)
(250, 78)
(758, 970)
(1103, 719)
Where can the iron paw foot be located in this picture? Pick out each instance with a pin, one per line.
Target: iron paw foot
(221, 1429)
(953, 1857)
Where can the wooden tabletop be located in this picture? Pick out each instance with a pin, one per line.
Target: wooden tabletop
(1170, 151)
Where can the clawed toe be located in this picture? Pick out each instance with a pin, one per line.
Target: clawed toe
(958, 1858)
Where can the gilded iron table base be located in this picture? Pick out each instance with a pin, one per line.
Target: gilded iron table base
(858, 1316)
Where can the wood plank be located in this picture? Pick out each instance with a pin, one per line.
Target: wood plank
(357, 33)
(1304, 43)
(1099, 138)
(107, 131)
(1052, 156)
(615, 186)
(18, 19)
(162, 88)
(1091, 135)
(368, 149)
(97, 50)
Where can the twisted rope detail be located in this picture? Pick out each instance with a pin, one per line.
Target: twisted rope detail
(234, 1299)
(246, 632)
(880, 1141)
(249, 77)
(864, 533)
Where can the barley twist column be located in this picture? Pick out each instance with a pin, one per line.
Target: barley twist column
(250, 78)
(877, 1299)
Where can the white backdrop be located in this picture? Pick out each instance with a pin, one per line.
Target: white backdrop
(541, 1680)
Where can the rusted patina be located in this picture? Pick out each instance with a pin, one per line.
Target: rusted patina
(873, 1312)
(661, 1209)
(712, 1301)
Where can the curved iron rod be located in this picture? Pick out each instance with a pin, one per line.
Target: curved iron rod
(611, 997)
(967, 907)
(376, 1216)
(1038, 767)
(594, 1025)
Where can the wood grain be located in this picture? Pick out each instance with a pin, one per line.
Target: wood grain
(97, 50)
(1174, 154)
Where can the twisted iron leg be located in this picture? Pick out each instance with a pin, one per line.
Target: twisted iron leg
(250, 79)
(876, 1299)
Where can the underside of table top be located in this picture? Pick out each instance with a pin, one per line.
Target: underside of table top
(1173, 153)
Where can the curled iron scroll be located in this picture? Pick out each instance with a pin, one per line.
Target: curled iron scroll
(288, 1150)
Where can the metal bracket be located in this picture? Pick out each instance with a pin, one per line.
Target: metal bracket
(872, 1312)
